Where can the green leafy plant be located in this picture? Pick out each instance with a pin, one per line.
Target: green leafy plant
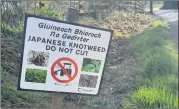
(35, 75)
(51, 14)
(90, 65)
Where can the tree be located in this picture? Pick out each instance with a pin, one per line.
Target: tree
(170, 5)
(151, 6)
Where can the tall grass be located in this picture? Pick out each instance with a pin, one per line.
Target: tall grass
(158, 60)
(154, 98)
(168, 83)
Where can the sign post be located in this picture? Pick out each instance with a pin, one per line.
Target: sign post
(57, 101)
(59, 56)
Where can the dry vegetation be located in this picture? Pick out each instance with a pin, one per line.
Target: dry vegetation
(124, 24)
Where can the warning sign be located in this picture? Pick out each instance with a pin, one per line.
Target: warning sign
(59, 71)
(60, 56)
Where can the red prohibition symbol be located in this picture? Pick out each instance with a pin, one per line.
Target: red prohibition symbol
(58, 62)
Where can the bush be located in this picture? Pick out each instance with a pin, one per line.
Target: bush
(151, 97)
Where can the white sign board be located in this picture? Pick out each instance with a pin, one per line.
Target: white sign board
(60, 56)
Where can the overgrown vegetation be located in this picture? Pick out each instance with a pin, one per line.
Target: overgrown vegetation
(11, 98)
(49, 13)
(35, 75)
(11, 44)
(159, 69)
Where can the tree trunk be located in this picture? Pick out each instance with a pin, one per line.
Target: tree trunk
(41, 5)
(170, 5)
(151, 7)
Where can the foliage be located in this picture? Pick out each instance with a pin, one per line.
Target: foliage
(17, 28)
(159, 67)
(50, 14)
(149, 39)
(157, 62)
(35, 75)
(10, 59)
(152, 98)
(90, 65)
(168, 83)
(12, 16)
(13, 98)
(158, 24)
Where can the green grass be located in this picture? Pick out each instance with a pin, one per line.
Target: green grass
(150, 97)
(168, 82)
(158, 60)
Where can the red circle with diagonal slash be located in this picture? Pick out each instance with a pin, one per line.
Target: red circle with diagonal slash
(58, 62)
